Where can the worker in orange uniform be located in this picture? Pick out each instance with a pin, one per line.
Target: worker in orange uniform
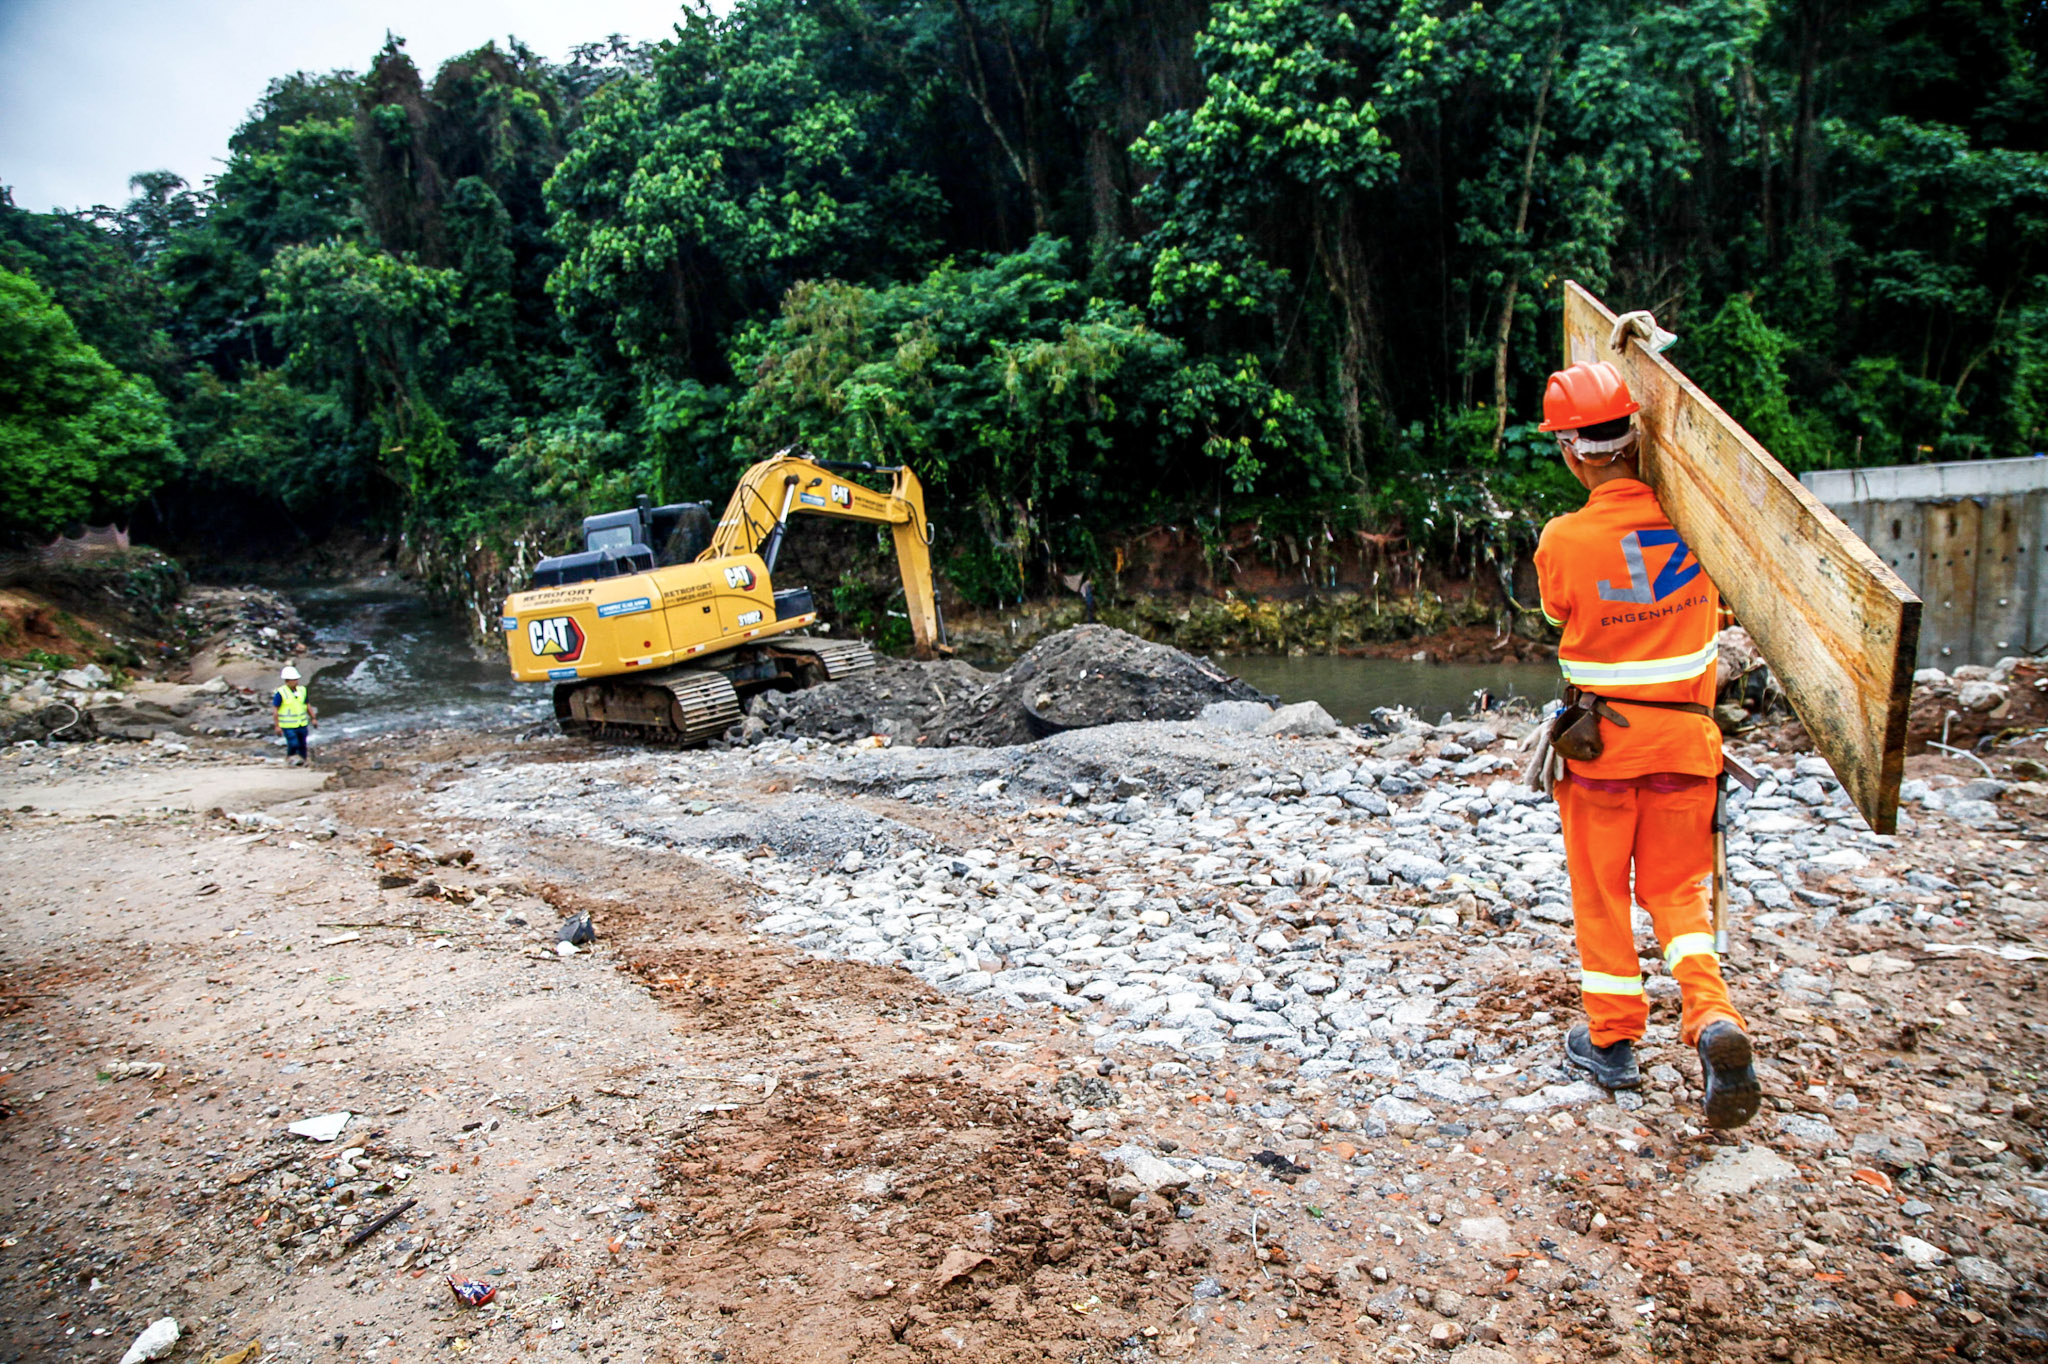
(1639, 619)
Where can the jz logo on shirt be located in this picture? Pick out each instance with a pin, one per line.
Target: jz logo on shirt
(556, 637)
(1678, 570)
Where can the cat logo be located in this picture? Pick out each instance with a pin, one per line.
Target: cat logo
(842, 494)
(556, 637)
(740, 578)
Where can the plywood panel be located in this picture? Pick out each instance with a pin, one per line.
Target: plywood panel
(1837, 626)
(1951, 582)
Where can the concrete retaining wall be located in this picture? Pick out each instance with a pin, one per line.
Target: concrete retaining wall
(1971, 538)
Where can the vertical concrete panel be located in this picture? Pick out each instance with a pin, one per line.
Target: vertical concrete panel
(1953, 529)
(2000, 626)
(1897, 534)
(2037, 585)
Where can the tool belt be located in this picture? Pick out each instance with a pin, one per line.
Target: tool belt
(1575, 733)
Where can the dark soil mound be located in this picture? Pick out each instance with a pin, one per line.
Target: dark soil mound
(1089, 675)
(1093, 675)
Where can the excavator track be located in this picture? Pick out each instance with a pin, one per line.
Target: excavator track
(835, 658)
(679, 706)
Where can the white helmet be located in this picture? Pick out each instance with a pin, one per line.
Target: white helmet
(290, 673)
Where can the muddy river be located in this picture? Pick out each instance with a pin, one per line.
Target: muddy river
(407, 664)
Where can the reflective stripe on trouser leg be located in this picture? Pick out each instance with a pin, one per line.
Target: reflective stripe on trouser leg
(1674, 861)
(1596, 983)
(1689, 945)
(1599, 831)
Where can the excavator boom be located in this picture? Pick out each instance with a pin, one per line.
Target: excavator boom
(785, 485)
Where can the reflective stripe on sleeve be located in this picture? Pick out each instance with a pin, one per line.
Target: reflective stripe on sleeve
(1690, 945)
(1639, 672)
(1545, 608)
(1600, 983)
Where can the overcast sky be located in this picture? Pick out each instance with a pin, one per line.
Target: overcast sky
(93, 91)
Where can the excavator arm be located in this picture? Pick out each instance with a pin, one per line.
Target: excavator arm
(786, 485)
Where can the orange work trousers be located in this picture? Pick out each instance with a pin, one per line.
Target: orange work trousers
(1663, 826)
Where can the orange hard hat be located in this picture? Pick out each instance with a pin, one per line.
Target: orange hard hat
(1587, 394)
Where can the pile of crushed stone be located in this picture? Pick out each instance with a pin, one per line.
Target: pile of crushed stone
(1089, 675)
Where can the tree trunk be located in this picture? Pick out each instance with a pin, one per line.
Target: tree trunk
(1505, 331)
(977, 89)
(1349, 278)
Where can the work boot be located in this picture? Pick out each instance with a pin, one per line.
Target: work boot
(1727, 1075)
(1612, 1066)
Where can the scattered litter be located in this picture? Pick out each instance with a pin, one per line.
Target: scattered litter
(248, 1354)
(472, 1292)
(156, 1341)
(135, 1070)
(340, 938)
(325, 1127)
(576, 930)
(1278, 1164)
(2004, 951)
(373, 1228)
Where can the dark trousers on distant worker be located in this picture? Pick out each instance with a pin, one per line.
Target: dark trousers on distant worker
(1662, 826)
(295, 741)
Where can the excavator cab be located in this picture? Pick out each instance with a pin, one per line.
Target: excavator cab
(640, 538)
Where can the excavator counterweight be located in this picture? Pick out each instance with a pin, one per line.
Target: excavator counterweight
(665, 621)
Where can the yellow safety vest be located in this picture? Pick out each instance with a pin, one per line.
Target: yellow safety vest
(292, 710)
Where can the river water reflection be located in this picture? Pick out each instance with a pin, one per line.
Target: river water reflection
(1349, 688)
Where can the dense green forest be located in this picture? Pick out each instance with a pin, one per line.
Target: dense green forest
(1086, 263)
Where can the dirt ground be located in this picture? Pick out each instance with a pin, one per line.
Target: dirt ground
(689, 1141)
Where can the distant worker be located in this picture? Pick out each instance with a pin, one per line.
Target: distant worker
(1642, 755)
(295, 715)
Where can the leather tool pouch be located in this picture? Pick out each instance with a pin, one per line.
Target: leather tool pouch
(1575, 733)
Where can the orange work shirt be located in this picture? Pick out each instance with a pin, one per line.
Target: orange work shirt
(1639, 617)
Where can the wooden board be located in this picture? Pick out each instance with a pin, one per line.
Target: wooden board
(1836, 624)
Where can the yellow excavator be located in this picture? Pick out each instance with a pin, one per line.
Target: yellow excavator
(660, 626)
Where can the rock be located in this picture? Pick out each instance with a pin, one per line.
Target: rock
(1153, 1174)
(1982, 788)
(1446, 1088)
(1985, 1273)
(158, 1340)
(1983, 697)
(1415, 868)
(1481, 1354)
(1235, 717)
(1921, 1253)
(1303, 719)
(1446, 1335)
(1556, 1096)
(1975, 813)
(1734, 1171)
(1448, 1302)
(1486, 1231)
(1813, 1130)
(1894, 1149)
(1391, 1110)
